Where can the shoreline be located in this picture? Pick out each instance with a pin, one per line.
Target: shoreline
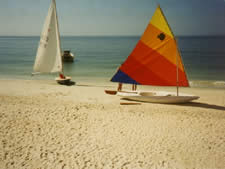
(205, 84)
(46, 125)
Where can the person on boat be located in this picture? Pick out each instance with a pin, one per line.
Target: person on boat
(62, 76)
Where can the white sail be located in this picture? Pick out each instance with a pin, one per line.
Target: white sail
(48, 58)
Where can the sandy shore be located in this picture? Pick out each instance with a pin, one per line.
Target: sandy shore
(45, 125)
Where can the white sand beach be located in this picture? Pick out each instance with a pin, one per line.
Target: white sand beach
(44, 125)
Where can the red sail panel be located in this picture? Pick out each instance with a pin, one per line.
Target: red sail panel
(155, 58)
(152, 68)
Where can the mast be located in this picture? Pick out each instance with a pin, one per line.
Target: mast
(177, 68)
(58, 34)
(177, 72)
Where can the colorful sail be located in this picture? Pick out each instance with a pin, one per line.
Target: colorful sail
(155, 60)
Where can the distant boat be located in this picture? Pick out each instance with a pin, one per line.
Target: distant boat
(68, 56)
(48, 57)
(156, 61)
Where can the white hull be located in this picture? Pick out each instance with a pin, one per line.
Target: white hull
(157, 97)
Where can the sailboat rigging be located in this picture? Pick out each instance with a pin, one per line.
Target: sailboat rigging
(48, 57)
(155, 60)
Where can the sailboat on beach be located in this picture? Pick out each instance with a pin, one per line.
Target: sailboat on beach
(155, 60)
(49, 55)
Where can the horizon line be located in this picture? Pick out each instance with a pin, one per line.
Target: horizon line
(193, 35)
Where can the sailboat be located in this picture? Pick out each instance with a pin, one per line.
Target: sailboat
(48, 57)
(156, 61)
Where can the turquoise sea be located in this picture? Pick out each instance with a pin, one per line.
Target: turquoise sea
(97, 58)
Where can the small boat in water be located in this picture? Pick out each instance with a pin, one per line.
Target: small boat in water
(68, 56)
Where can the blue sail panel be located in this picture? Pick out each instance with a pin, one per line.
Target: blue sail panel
(121, 77)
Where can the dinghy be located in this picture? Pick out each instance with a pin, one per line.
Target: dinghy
(48, 57)
(68, 56)
(156, 61)
(157, 97)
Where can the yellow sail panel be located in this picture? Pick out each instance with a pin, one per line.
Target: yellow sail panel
(159, 21)
(157, 31)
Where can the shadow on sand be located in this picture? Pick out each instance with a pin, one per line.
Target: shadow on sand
(203, 105)
(70, 83)
(84, 85)
(190, 104)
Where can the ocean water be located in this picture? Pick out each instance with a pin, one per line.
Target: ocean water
(97, 58)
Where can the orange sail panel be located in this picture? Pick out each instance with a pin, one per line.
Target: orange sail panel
(155, 60)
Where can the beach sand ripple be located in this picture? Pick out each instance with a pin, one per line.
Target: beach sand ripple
(50, 126)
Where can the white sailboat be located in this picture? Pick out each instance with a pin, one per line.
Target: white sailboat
(48, 58)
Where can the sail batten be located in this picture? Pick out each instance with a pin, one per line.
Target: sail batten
(155, 60)
(48, 58)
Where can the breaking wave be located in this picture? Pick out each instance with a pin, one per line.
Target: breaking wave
(210, 84)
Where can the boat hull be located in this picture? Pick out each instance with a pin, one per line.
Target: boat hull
(65, 81)
(111, 92)
(68, 59)
(68, 56)
(157, 97)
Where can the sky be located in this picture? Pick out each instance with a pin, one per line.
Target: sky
(112, 17)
